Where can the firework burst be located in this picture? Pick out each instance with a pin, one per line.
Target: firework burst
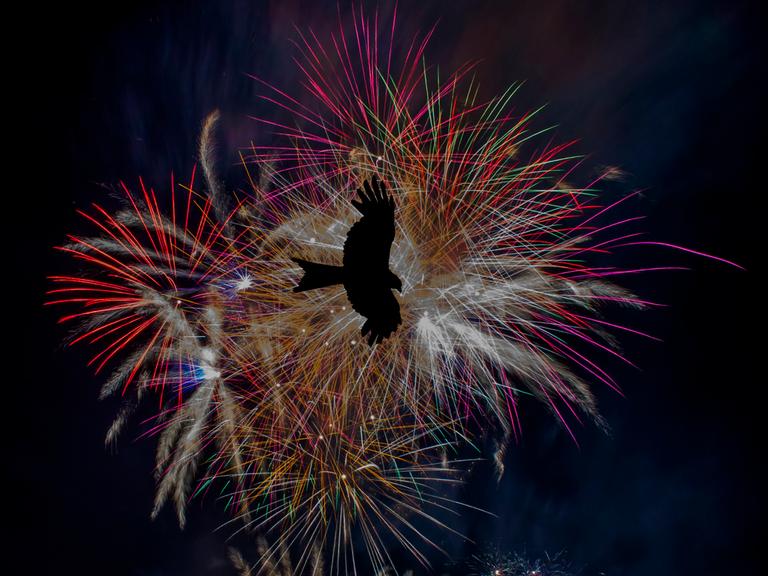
(490, 245)
(503, 564)
(152, 304)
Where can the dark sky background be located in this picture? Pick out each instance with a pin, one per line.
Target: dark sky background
(670, 91)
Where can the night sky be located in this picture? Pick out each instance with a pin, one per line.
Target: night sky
(671, 93)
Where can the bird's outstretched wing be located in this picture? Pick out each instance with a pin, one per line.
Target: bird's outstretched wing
(366, 261)
(370, 238)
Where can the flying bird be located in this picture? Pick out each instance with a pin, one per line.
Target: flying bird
(365, 273)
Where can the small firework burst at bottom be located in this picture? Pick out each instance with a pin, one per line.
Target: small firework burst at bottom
(514, 564)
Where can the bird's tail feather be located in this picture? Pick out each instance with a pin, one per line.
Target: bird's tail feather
(317, 275)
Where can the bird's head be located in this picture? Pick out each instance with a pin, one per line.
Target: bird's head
(394, 282)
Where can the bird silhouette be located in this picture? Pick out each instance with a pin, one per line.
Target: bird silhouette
(365, 274)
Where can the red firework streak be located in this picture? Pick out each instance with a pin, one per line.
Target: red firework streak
(143, 279)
